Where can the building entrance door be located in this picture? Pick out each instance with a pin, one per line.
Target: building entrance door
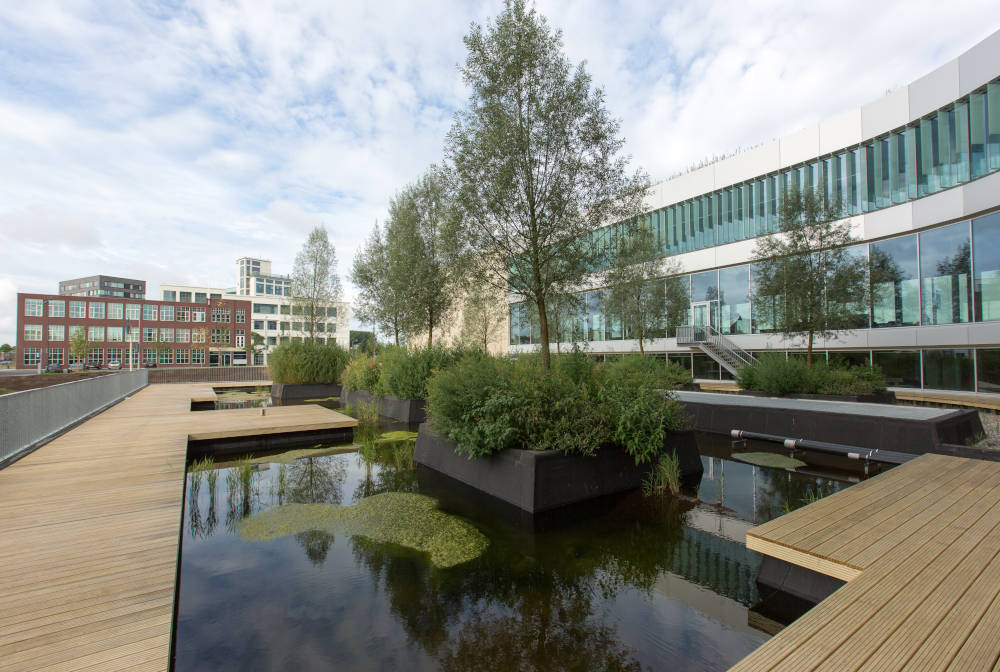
(701, 317)
(227, 359)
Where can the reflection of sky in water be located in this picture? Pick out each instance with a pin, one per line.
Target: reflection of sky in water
(604, 593)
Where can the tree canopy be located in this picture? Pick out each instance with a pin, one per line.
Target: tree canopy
(806, 280)
(536, 159)
(315, 283)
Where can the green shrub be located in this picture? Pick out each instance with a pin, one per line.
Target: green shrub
(405, 371)
(362, 373)
(645, 371)
(779, 376)
(307, 363)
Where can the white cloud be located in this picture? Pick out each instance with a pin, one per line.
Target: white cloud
(163, 143)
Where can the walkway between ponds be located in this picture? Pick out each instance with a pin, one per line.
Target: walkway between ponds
(91, 529)
(919, 547)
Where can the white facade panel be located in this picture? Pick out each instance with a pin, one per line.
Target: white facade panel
(984, 333)
(748, 165)
(981, 195)
(896, 337)
(800, 146)
(841, 131)
(889, 112)
(978, 65)
(695, 183)
(939, 208)
(934, 90)
(889, 222)
(956, 335)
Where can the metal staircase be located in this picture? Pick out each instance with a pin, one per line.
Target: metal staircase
(708, 339)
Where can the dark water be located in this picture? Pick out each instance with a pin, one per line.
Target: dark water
(625, 583)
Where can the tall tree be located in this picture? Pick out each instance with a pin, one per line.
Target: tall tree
(484, 310)
(806, 281)
(381, 298)
(315, 283)
(635, 291)
(536, 158)
(79, 344)
(424, 244)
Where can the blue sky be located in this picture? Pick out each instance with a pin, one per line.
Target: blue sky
(164, 140)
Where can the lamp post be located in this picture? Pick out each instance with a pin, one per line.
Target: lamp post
(43, 356)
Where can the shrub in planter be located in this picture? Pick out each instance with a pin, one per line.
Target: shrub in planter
(307, 363)
(779, 376)
(363, 373)
(405, 371)
(644, 371)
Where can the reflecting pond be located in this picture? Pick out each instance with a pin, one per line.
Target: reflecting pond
(624, 583)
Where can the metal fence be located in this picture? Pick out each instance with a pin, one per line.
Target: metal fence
(29, 417)
(210, 374)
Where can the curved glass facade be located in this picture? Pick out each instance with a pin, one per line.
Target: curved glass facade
(951, 146)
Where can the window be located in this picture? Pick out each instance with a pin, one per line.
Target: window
(95, 356)
(895, 287)
(114, 355)
(265, 308)
(74, 330)
(988, 370)
(33, 307)
(32, 332)
(132, 311)
(200, 297)
(215, 296)
(258, 325)
(945, 269)
(97, 311)
(183, 335)
(220, 336)
(132, 334)
(166, 356)
(272, 325)
(95, 334)
(169, 295)
(148, 356)
(78, 309)
(32, 356)
(986, 246)
(185, 297)
(183, 314)
(220, 315)
(182, 356)
(55, 356)
(734, 300)
(286, 310)
(321, 341)
(166, 335)
(57, 308)
(241, 315)
(57, 332)
(948, 370)
(197, 356)
(148, 334)
(115, 311)
(296, 326)
(167, 313)
(240, 338)
(148, 312)
(197, 335)
(320, 326)
(116, 334)
(900, 367)
(330, 328)
(285, 326)
(197, 314)
(331, 312)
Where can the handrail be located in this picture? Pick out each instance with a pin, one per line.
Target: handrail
(715, 338)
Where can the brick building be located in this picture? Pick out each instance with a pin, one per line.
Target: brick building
(170, 333)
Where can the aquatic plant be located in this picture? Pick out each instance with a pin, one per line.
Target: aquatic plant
(405, 519)
(367, 428)
(773, 460)
(666, 475)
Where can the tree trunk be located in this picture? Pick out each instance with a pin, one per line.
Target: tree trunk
(543, 321)
(642, 351)
(430, 332)
(809, 351)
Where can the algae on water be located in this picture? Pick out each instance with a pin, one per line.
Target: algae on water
(769, 460)
(301, 453)
(402, 518)
(395, 438)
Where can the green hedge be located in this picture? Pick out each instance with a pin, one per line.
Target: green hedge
(308, 362)
(486, 404)
(362, 373)
(779, 376)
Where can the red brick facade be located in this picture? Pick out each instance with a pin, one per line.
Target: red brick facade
(180, 340)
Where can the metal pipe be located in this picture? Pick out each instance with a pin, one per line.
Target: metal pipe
(850, 452)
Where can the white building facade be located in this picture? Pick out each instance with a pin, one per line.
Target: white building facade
(918, 173)
(273, 317)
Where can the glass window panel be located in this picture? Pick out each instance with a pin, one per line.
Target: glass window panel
(681, 359)
(988, 370)
(854, 173)
(764, 309)
(848, 358)
(595, 317)
(948, 370)
(945, 260)
(895, 284)
(856, 315)
(705, 286)
(901, 368)
(927, 161)
(960, 141)
(910, 157)
(993, 125)
(734, 300)
(705, 367)
(882, 171)
(57, 308)
(986, 246)
(977, 134)
(869, 200)
(897, 167)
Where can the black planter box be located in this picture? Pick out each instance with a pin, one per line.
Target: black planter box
(305, 390)
(877, 398)
(536, 481)
(407, 410)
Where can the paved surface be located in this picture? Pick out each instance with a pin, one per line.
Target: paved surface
(920, 549)
(871, 410)
(91, 526)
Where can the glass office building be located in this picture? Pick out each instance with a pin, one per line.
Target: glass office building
(916, 172)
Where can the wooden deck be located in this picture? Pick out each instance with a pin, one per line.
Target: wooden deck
(983, 400)
(920, 548)
(91, 526)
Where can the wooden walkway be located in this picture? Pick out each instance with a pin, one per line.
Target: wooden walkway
(91, 526)
(920, 548)
(983, 400)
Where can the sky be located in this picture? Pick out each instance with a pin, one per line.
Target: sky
(163, 141)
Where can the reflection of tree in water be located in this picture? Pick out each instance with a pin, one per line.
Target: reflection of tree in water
(315, 480)
(528, 602)
(197, 526)
(316, 544)
(384, 474)
(779, 492)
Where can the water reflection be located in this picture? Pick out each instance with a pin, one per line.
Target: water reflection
(621, 583)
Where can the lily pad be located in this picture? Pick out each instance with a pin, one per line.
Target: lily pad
(401, 518)
(769, 460)
(396, 438)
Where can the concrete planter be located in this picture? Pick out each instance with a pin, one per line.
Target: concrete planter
(537, 481)
(407, 410)
(879, 398)
(305, 390)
